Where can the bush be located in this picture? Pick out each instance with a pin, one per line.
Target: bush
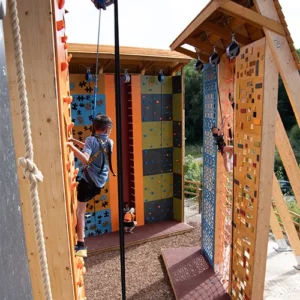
(191, 169)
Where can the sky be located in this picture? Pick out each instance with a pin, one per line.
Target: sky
(148, 24)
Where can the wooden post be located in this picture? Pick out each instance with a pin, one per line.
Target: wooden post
(283, 57)
(288, 157)
(286, 220)
(277, 232)
(266, 173)
(39, 62)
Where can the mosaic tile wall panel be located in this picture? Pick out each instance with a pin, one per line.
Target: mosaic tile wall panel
(210, 96)
(158, 155)
(248, 135)
(98, 219)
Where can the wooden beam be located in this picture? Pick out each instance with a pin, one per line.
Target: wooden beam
(277, 231)
(283, 57)
(288, 157)
(187, 52)
(146, 66)
(251, 17)
(105, 66)
(175, 69)
(267, 154)
(202, 16)
(286, 219)
(224, 33)
(37, 44)
(206, 47)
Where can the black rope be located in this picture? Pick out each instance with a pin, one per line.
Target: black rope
(119, 150)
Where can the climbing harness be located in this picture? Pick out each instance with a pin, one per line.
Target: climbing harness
(31, 172)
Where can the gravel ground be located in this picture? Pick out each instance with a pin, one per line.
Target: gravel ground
(146, 276)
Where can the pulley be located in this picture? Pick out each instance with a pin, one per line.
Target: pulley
(2, 9)
(214, 59)
(199, 65)
(126, 77)
(161, 76)
(233, 49)
(102, 4)
(88, 76)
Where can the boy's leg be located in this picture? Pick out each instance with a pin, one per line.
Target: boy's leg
(225, 161)
(81, 209)
(132, 228)
(228, 149)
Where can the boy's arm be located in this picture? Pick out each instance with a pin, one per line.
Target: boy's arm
(83, 156)
(76, 142)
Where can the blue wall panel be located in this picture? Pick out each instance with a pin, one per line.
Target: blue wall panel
(210, 96)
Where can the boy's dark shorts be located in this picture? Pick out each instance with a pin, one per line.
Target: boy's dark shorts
(86, 192)
(128, 224)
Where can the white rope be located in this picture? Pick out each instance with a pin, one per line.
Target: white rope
(31, 171)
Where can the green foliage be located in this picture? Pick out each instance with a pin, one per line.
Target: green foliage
(192, 169)
(193, 150)
(293, 206)
(294, 136)
(193, 105)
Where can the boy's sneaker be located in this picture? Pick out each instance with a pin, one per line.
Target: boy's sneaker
(80, 251)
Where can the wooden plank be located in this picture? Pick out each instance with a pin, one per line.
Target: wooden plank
(252, 17)
(283, 57)
(188, 52)
(175, 69)
(275, 226)
(288, 157)
(266, 174)
(146, 66)
(224, 33)
(286, 218)
(206, 47)
(138, 148)
(40, 72)
(208, 10)
(105, 66)
(109, 86)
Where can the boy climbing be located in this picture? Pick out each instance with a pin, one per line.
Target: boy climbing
(222, 147)
(129, 222)
(96, 157)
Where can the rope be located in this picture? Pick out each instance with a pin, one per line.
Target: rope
(97, 65)
(31, 171)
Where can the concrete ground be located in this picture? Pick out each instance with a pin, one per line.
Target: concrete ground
(282, 279)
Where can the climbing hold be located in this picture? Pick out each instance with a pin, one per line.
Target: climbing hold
(68, 99)
(70, 127)
(64, 39)
(61, 4)
(73, 185)
(60, 25)
(69, 58)
(64, 66)
(65, 46)
(68, 166)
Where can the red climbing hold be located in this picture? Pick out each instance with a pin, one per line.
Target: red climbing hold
(61, 4)
(60, 25)
(64, 39)
(64, 66)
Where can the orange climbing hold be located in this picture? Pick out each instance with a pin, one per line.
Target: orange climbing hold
(73, 185)
(61, 4)
(68, 165)
(70, 126)
(69, 58)
(64, 66)
(66, 46)
(60, 25)
(64, 39)
(68, 99)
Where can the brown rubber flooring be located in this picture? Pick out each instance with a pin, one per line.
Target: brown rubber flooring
(110, 241)
(191, 276)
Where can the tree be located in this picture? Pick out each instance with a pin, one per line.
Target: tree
(193, 105)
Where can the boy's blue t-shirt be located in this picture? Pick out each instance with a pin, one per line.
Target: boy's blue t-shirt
(92, 146)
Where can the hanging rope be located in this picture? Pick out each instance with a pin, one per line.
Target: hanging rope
(97, 64)
(31, 171)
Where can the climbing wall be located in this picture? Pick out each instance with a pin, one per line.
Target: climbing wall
(98, 217)
(247, 151)
(177, 107)
(210, 92)
(66, 126)
(159, 133)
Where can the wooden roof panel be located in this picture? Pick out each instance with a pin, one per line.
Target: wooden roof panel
(136, 60)
(220, 18)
